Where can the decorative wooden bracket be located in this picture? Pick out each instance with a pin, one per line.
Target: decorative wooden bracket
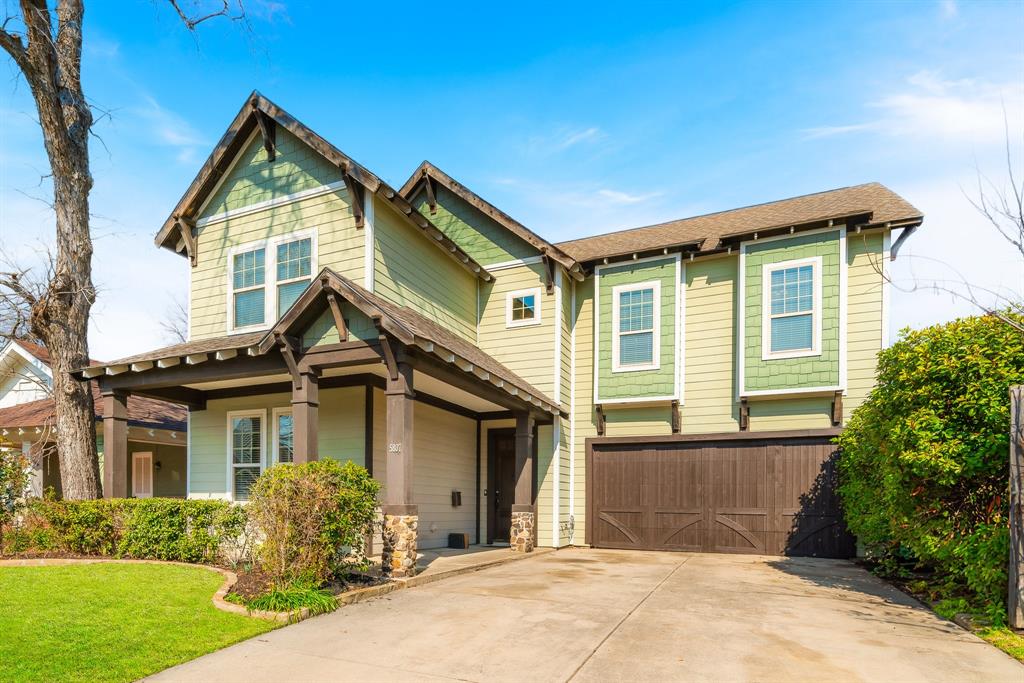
(431, 198)
(601, 420)
(288, 345)
(837, 409)
(268, 129)
(549, 273)
(390, 360)
(185, 230)
(675, 417)
(744, 415)
(355, 197)
(339, 319)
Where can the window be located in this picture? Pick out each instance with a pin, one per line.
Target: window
(294, 266)
(635, 326)
(791, 302)
(283, 443)
(522, 308)
(245, 445)
(267, 277)
(248, 274)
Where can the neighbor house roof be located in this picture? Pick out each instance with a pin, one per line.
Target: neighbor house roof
(258, 112)
(428, 171)
(876, 203)
(142, 412)
(37, 351)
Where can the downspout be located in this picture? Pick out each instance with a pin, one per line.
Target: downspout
(904, 235)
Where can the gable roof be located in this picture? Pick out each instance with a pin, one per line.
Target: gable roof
(37, 351)
(876, 203)
(142, 412)
(258, 112)
(409, 327)
(428, 171)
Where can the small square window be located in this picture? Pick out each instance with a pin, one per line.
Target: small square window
(522, 308)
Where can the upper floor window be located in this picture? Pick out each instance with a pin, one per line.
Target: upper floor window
(294, 268)
(792, 308)
(267, 277)
(635, 326)
(245, 443)
(248, 276)
(522, 308)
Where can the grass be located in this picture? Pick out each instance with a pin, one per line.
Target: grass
(1006, 640)
(110, 622)
(294, 598)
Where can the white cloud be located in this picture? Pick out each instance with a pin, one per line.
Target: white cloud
(927, 106)
(617, 197)
(592, 134)
(563, 139)
(948, 9)
(169, 128)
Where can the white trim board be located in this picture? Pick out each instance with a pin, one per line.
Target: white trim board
(677, 392)
(535, 292)
(271, 203)
(816, 309)
(369, 243)
(655, 364)
(229, 484)
(516, 263)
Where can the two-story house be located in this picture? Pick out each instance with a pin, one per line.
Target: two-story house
(667, 387)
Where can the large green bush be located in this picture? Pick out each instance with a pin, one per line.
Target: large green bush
(313, 518)
(924, 466)
(140, 528)
(13, 482)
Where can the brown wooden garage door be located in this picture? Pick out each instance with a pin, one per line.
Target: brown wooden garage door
(763, 496)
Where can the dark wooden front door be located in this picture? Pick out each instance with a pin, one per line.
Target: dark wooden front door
(763, 496)
(501, 482)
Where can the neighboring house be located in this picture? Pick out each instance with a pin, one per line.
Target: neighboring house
(155, 429)
(670, 387)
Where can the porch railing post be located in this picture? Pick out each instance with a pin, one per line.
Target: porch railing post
(521, 534)
(401, 515)
(305, 417)
(115, 444)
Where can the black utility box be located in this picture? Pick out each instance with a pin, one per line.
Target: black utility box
(460, 541)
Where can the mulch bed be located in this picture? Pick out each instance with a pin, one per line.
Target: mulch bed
(253, 583)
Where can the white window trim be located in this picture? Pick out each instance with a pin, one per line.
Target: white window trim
(278, 412)
(535, 320)
(232, 414)
(766, 311)
(270, 281)
(655, 363)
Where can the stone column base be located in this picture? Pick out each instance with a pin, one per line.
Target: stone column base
(398, 555)
(520, 536)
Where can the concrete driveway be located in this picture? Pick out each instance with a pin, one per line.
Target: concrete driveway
(602, 615)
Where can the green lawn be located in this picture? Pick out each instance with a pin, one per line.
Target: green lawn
(110, 622)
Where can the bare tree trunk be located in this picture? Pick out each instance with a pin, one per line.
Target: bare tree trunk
(1015, 602)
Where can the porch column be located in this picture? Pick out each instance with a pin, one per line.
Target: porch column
(401, 516)
(305, 416)
(115, 444)
(523, 520)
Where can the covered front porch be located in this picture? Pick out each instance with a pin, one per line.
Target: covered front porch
(348, 375)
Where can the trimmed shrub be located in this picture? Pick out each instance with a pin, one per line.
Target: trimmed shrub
(924, 466)
(313, 519)
(139, 528)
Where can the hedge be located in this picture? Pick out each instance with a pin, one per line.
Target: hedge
(139, 528)
(924, 465)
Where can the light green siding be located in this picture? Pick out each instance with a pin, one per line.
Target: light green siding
(342, 413)
(479, 236)
(411, 272)
(638, 383)
(323, 330)
(252, 179)
(792, 373)
(168, 468)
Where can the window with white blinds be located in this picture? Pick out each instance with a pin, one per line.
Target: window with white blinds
(245, 441)
(792, 308)
(283, 436)
(635, 326)
(267, 277)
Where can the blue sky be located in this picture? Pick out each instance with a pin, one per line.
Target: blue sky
(575, 118)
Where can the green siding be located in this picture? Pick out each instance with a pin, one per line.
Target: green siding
(479, 235)
(411, 272)
(323, 331)
(253, 179)
(638, 383)
(792, 373)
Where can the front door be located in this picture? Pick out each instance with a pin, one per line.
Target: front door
(142, 475)
(501, 470)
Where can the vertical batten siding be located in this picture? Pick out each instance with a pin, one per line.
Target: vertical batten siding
(527, 350)
(340, 434)
(710, 340)
(411, 272)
